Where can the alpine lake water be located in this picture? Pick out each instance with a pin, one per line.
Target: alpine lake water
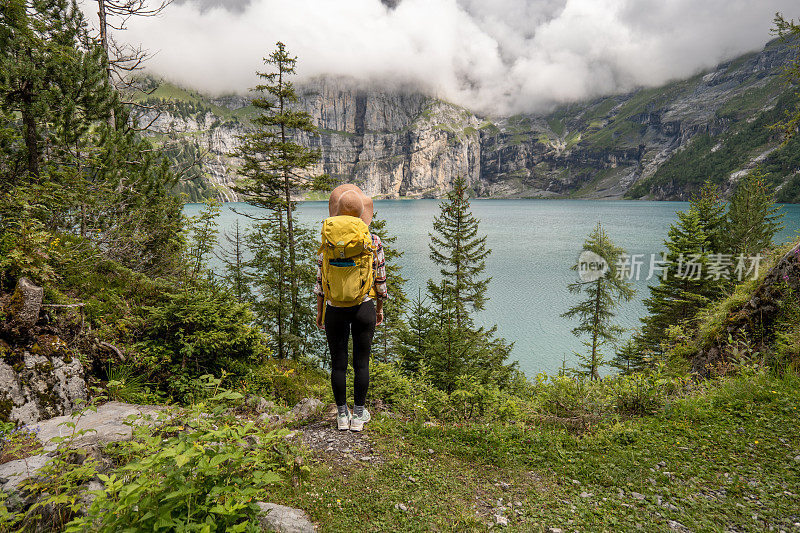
(534, 243)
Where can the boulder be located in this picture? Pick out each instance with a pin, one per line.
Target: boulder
(26, 302)
(260, 404)
(15, 472)
(271, 418)
(306, 407)
(41, 387)
(284, 519)
(105, 425)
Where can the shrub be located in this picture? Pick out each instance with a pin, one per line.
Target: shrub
(196, 332)
(472, 399)
(567, 396)
(125, 384)
(411, 396)
(287, 381)
(641, 393)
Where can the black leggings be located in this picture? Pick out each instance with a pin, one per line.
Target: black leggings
(338, 322)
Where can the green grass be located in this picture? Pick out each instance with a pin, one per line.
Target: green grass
(556, 126)
(711, 461)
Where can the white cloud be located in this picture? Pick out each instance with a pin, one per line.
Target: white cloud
(492, 56)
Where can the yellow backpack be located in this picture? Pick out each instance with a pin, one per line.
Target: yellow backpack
(347, 254)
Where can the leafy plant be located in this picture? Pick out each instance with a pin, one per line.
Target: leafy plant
(201, 471)
(127, 384)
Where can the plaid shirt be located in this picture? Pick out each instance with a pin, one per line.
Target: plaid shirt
(378, 265)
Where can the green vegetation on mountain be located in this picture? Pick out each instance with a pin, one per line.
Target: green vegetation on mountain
(714, 158)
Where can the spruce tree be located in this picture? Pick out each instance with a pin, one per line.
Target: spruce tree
(386, 340)
(753, 218)
(267, 243)
(233, 257)
(201, 230)
(275, 166)
(456, 346)
(687, 287)
(596, 312)
(460, 254)
(710, 210)
(415, 340)
(629, 358)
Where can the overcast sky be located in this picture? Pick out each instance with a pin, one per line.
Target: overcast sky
(493, 56)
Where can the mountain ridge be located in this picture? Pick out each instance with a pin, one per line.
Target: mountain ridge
(401, 143)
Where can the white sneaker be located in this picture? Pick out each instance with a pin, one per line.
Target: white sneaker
(357, 422)
(343, 421)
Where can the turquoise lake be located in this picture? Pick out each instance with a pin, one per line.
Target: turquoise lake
(534, 243)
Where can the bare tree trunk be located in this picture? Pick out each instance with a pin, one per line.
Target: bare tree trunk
(293, 324)
(281, 277)
(594, 371)
(31, 136)
(101, 13)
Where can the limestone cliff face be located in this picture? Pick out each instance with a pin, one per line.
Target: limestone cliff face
(398, 142)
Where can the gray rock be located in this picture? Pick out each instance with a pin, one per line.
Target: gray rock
(585, 494)
(260, 404)
(15, 472)
(271, 418)
(284, 519)
(26, 302)
(677, 526)
(797, 458)
(400, 507)
(306, 407)
(105, 425)
(88, 490)
(45, 386)
(500, 520)
(264, 406)
(554, 530)
(638, 496)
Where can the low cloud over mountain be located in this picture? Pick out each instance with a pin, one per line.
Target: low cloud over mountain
(496, 57)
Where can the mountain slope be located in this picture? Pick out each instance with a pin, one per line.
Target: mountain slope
(657, 143)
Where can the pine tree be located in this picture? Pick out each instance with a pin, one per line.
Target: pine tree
(596, 312)
(386, 340)
(107, 185)
(233, 257)
(460, 254)
(710, 210)
(415, 340)
(275, 167)
(753, 218)
(629, 358)
(686, 288)
(456, 347)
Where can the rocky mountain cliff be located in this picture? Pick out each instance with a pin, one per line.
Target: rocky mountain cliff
(400, 143)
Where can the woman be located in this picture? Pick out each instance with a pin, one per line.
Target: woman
(361, 319)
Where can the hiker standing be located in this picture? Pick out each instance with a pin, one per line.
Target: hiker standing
(350, 289)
